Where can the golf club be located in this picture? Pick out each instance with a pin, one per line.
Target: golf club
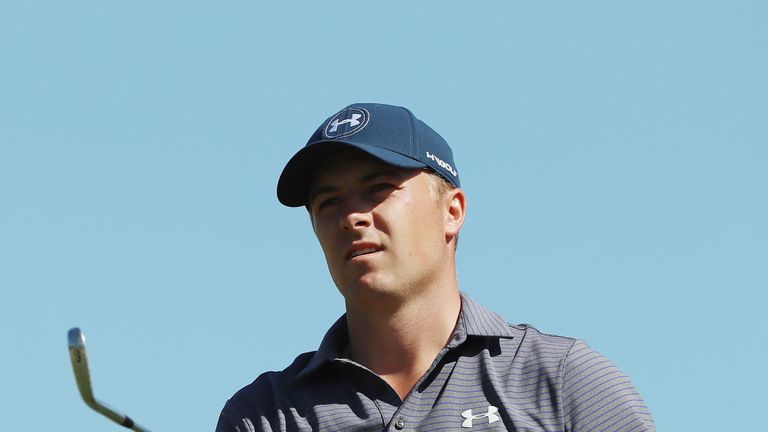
(83, 378)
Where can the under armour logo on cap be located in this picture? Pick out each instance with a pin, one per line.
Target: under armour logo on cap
(347, 122)
(490, 415)
(352, 122)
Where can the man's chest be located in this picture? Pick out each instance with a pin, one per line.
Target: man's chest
(460, 394)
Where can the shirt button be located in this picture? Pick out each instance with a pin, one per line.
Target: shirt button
(400, 423)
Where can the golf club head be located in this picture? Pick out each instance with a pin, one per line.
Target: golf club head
(79, 359)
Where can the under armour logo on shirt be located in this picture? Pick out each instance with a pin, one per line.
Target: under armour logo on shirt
(490, 415)
(352, 122)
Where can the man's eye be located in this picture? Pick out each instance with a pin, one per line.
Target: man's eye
(327, 202)
(381, 187)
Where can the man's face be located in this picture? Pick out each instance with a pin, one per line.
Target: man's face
(381, 228)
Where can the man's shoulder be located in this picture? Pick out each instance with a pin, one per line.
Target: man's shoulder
(568, 351)
(534, 350)
(270, 386)
(537, 336)
(533, 340)
(524, 342)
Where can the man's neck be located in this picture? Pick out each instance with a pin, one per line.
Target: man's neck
(401, 344)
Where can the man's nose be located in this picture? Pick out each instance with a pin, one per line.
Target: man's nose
(355, 216)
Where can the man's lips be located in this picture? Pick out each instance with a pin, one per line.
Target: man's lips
(362, 249)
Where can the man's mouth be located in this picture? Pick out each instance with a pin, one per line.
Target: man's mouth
(358, 251)
(362, 252)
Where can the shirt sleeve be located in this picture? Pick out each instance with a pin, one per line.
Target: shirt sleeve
(225, 423)
(230, 420)
(597, 396)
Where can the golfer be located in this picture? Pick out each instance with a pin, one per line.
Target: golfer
(413, 352)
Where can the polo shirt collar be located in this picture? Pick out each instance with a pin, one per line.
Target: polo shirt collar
(332, 347)
(474, 320)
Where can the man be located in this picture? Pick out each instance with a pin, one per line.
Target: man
(412, 352)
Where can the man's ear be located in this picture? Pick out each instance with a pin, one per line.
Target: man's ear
(456, 210)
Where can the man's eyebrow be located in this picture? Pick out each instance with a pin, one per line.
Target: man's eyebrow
(321, 190)
(365, 178)
(376, 174)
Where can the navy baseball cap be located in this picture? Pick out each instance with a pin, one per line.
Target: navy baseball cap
(389, 133)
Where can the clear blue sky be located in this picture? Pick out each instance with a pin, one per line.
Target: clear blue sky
(614, 154)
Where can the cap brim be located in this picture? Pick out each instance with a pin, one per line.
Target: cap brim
(293, 185)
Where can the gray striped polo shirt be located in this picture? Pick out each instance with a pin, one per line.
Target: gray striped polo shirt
(490, 376)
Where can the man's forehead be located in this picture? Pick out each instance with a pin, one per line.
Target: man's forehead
(349, 163)
(350, 167)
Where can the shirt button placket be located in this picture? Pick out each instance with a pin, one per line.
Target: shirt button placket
(399, 423)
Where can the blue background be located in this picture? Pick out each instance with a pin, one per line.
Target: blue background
(614, 155)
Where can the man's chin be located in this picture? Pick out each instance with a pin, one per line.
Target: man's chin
(366, 292)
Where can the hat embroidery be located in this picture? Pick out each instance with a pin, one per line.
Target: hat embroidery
(345, 123)
(352, 122)
(444, 165)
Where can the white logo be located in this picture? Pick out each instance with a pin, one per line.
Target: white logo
(352, 122)
(346, 122)
(442, 163)
(490, 415)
